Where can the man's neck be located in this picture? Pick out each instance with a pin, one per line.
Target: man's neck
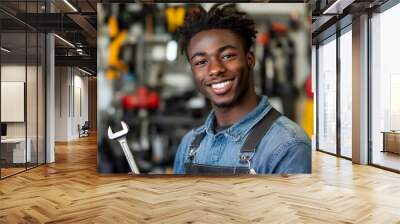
(228, 115)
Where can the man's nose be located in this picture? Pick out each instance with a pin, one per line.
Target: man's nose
(216, 67)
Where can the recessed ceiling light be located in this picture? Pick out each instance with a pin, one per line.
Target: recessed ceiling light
(5, 49)
(84, 71)
(70, 5)
(64, 40)
(337, 7)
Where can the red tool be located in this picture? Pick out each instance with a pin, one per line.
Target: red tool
(142, 98)
(308, 86)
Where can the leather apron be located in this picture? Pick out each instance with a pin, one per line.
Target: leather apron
(246, 152)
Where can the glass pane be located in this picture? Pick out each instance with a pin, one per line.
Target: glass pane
(31, 97)
(314, 75)
(327, 97)
(41, 99)
(32, 86)
(13, 87)
(346, 94)
(21, 66)
(386, 89)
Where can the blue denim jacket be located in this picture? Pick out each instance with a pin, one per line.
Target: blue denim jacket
(285, 148)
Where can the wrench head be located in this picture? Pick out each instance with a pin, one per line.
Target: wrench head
(118, 134)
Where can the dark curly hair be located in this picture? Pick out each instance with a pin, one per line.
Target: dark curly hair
(225, 17)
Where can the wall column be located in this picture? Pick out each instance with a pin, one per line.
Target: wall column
(50, 92)
(360, 90)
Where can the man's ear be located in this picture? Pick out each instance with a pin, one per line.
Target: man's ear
(251, 60)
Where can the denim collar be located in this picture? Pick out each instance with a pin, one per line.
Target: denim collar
(241, 127)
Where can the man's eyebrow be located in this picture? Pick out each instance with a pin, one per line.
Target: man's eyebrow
(226, 47)
(197, 54)
(221, 49)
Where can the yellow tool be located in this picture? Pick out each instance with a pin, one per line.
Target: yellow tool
(308, 117)
(175, 18)
(119, 38)
(112, 26)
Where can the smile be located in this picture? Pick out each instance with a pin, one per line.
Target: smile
(222, 87)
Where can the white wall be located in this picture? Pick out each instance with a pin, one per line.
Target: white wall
(81, 83)
(71, 93)
(13, 73)
(61, 103)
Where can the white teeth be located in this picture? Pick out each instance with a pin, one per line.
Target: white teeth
(220, 85)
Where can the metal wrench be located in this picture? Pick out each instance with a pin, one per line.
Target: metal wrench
(120, 136)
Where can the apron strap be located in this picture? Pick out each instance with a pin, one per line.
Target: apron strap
(197, 140)
(258, 131)
(195, 145)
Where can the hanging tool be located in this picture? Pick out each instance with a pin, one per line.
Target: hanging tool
(120, 136)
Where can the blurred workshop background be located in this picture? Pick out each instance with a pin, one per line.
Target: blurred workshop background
(144, 81)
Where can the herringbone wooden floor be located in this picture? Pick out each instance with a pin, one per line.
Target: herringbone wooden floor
(71, 191)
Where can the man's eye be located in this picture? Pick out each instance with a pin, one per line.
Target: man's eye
(200, 62)
(228, 56)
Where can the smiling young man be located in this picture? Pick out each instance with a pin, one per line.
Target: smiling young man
(243, 134)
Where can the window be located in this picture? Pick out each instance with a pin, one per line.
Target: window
(327, 96)
(346, 93)
(385, 88)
